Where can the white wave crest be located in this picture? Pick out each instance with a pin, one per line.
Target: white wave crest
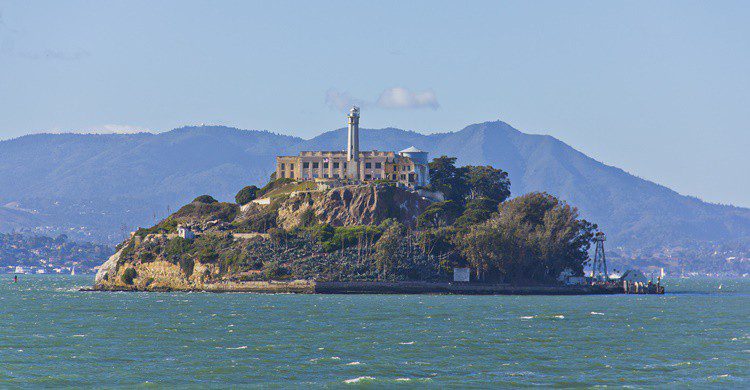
(359, 379)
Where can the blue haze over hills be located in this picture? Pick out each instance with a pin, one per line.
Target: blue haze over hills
(101, 186)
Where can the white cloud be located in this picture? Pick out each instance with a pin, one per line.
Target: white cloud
(399, 97)
(391, 98)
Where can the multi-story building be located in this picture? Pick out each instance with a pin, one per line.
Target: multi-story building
(407, 167)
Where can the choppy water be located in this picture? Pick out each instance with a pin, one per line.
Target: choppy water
(52, 335)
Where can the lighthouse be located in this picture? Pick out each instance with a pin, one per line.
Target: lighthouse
(352, 145)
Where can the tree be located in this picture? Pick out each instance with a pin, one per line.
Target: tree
(532, 238)
(246, 195)
(480, 248)
(487, 182)
(548, 235)
(448, 179)
(477, 211)
(386, 249)
(207, 199)
(129, 275)
(439, 214)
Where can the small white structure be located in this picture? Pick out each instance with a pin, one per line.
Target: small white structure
(461, 274)
(634, 276)
(263, 201)
(567, 277)
(185, 233)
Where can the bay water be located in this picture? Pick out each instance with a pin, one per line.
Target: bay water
(52, 335)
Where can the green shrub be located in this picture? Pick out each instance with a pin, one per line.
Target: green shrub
(272, 270)
(127, 253)
(177, 248)
(321, 232)
(207, 199)
(129, 275)
(187, 265)
(146, 257)
(168, 225)
(201, 211)
(246, 195)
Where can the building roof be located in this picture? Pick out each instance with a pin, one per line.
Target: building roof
(411, 149)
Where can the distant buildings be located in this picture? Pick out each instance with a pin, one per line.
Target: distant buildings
(407, 167)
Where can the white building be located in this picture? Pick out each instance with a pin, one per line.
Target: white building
(407, 167)
(185, 233)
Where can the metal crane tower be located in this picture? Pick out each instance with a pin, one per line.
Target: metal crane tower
(599, 267)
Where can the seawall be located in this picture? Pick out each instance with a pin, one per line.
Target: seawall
(312, 287)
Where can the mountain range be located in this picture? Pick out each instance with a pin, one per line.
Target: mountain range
(102, 186)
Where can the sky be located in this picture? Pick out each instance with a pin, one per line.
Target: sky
(660, 89)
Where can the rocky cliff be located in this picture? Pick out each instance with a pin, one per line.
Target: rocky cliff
(353, 205)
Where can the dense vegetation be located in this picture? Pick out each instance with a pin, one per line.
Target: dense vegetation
(246, 195)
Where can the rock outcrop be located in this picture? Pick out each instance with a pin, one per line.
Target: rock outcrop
(353, 205)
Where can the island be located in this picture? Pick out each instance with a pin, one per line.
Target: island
(367, 222)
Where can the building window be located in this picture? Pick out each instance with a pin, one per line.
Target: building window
(282, 175)
(315, 165)
(378, 165)
(344, 165)
(335, 175)
(395, 177)
(291, 167)
(335, 165)
(305, 165)
(291, 174)
(325, 176)
(282, 166)
(368, 165)
(325, 165)
(368, 177)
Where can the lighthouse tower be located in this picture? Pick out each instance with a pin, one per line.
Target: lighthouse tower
(352, 145)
